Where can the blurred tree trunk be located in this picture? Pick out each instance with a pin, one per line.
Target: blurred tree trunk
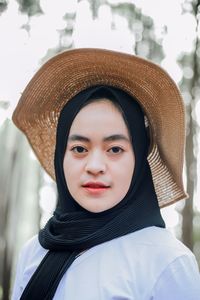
(19, 186)
(191, 160)
(94, 6)
(7, 141)
(187, 212)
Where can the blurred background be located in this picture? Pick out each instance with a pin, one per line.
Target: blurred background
(32, 31)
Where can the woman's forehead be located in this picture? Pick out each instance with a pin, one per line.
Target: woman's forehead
(98, 110)
(99, 117)
(95, 103)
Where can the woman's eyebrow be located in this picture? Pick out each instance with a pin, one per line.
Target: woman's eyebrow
(116, 137)
(77, 137)
(113, 137)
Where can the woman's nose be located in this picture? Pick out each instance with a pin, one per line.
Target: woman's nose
(96, 163)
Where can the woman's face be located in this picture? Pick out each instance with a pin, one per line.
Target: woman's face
(99, 159)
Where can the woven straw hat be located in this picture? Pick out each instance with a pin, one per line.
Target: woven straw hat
(70, 72)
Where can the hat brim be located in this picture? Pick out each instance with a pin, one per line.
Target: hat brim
(72, 71)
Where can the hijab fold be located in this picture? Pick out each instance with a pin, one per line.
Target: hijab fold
(72, 228)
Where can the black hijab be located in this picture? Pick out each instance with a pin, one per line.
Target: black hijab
(72, 228)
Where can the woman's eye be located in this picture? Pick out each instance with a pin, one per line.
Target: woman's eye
(115, 150)
(79, 149)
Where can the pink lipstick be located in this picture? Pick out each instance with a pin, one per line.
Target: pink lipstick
(95, 187)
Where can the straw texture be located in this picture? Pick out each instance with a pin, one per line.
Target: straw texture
(70, 72)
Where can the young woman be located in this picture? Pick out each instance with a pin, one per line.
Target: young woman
(109, 127)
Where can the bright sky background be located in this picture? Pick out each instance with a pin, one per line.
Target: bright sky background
(21, 50)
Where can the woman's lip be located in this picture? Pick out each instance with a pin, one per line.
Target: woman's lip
(95, 190)
(95, 185)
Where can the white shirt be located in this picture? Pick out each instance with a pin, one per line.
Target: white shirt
(149, 264)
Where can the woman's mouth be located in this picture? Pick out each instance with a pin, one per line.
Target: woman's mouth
(95, 187)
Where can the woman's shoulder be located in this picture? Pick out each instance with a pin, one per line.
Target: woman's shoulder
(32, 250)
(156, 243)
(30, 257)
(163, 253)
(148, 255)
(31, 243)
(156, 237)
